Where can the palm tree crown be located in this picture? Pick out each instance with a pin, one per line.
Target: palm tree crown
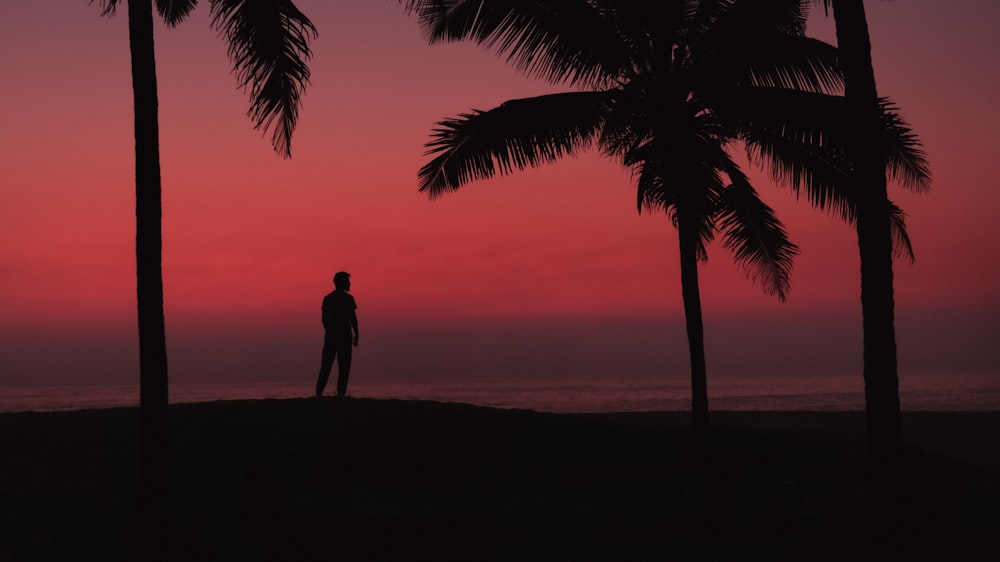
(658, 87)
(668, 89)
(268, 44)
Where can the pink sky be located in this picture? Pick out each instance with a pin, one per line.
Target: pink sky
(543, 273)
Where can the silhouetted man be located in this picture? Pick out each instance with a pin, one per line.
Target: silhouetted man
(340, 320)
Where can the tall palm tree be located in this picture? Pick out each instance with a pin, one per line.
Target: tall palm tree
(665, 88)
(884, 428)
(268, 43)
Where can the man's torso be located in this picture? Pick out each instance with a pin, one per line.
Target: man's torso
(338, 311)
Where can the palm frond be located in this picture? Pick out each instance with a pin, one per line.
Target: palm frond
(108, 7)
(629, 124)
(826, 5)
(269, 46)
(804, 139)
(516, 135)
(800, 138)
(738, 44)
(757, 239)
(783, 61)
(656, 192)
(822, 176)
(680, 179)
(649, 182)
(644, 27)
(174, 11)
(700, 19)
(901, 245)
(689, 168)
(751, 18)
(906, 161)
(812, 118)
(555, 40)
(827, 185)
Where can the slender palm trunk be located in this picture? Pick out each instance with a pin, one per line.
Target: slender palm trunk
(153, 412)
(882, 412)
(695, 329)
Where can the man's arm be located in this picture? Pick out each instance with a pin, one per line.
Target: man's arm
(354, 326)
(325, 313)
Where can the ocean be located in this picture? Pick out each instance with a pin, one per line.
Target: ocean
(918, 392)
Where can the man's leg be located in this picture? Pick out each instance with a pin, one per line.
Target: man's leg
(326, 365)
(343, 368)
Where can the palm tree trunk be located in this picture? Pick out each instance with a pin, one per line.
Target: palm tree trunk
(883, 421)
(695, 329)
(153, 411)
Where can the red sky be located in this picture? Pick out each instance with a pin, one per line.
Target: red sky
(544, 273)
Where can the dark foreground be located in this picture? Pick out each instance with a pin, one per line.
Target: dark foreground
(360, 479)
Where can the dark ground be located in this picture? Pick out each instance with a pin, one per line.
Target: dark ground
(362, 479)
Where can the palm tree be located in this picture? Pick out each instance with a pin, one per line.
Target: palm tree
(268, 44)
(665, 88)
(874, 219)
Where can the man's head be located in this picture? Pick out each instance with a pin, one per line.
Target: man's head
(342, 280)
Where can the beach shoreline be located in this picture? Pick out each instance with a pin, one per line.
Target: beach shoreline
(375, 479)
(939, 392)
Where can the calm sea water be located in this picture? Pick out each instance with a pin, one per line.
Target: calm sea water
(918, 392)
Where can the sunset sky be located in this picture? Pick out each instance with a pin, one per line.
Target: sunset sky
(546, 273)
